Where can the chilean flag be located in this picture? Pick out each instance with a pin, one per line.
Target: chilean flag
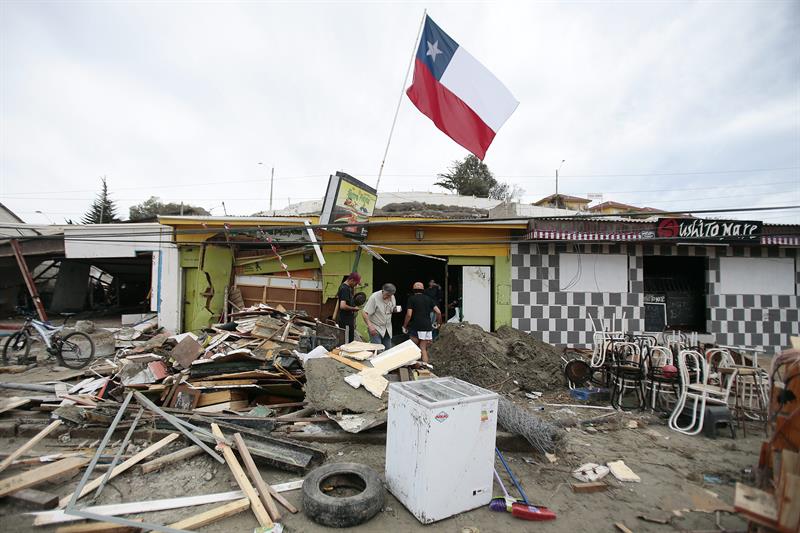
(460, 96)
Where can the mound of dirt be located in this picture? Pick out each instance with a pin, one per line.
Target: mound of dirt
(486, 359)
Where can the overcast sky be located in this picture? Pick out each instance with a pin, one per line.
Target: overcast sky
(676, 105)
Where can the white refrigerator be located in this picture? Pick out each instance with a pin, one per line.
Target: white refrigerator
(440, 446)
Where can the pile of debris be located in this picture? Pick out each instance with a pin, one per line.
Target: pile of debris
(506, 359)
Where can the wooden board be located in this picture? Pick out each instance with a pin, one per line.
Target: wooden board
(180, 455)
(225, 406)
(789, 506)
(13, 403)
(99, 527)
(593, 486)
(241, 478)
(255, 475)
(756, 505)
(30, 444)
(119, 469)
(36, 499)
(186, 351)
(215, 397)
(346, 361)
(217, 513)
(39, 475)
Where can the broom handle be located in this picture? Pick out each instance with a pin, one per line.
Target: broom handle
(505, 492)
(511, 475)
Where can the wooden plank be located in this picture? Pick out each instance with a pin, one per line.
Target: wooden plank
(404, 374)
(144, 454)
(180, 455)
(595, 486)
(30, 444)
(280, 499)
(237, 405)
(217, 513)
(789, 503)
(255, 476)
(59, 516)
(346, 361)
(13, 403)
(99, 527)
(215, 397)
(36, 499)
(622, 527)
(241, 478)
(756, 505)
(41, 474)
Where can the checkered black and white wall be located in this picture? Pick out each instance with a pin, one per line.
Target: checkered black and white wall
(563, 317)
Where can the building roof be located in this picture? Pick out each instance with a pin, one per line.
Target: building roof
(7, 215)
(617, 205)
(563, 198)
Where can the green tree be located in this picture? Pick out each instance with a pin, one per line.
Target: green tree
(103, 210)
(152, 207)
(471, 177)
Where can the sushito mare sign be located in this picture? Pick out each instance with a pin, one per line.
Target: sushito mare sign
(698, 229)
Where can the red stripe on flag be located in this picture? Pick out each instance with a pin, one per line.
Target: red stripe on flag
(450, 114)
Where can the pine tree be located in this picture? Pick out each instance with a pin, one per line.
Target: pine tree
(103, 210)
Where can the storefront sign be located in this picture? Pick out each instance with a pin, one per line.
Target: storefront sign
(348, 200)
(697, 229)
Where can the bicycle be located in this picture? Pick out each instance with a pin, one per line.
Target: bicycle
(73, 350)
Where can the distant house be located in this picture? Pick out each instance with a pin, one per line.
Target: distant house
(616, 208)
(564, 201)
(7, 215)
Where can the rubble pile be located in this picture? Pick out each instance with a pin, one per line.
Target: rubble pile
(489, 360)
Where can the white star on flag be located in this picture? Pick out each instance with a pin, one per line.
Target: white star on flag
(433, 50)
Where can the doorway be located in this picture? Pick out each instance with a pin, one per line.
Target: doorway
(403, 271)
(469, 295)
(679, 284)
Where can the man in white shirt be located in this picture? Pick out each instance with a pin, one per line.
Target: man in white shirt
(378, 315)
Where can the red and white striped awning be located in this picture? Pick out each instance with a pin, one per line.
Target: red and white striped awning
(644, 235)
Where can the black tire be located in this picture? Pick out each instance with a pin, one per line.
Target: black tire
(347, 511)
(16, 348)
(77, 349)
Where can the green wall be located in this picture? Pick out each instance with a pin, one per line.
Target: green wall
(338, 264)
(217, 264)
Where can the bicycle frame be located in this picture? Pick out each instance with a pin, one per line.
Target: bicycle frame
(45, 331)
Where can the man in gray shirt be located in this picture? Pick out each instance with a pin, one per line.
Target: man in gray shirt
(378, 315)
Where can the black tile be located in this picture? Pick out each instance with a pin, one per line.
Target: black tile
(517, 285)
(738, 315)
(573, 312)
(537, 285)
(596, 298)
(615, 298)
(524, 298)
(561, 325)
(517, 260)
(537, 311)
(579, 298)
(524, 273)
(542, 325)
(524, 324)
(749, 300)
(556, 311)
(756, 315)
(524, 248)
(783, 301)
(560, 298)
(573, 337)
(517, 311)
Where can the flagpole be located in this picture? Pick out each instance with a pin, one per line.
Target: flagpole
(400, 100)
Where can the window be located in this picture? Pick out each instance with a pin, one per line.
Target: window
(593, 273)
(757, 275)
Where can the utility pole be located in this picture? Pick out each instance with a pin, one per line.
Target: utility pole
(559, 168)
(271, 182)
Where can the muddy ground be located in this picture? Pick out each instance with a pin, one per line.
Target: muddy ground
(671, 466)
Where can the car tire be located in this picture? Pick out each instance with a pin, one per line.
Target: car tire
(347, 511)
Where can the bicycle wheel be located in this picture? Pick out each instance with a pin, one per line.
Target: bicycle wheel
(16, 348)
(77, 349)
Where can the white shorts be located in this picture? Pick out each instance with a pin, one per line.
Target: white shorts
(423, 335)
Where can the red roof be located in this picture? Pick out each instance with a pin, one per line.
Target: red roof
(563, 198)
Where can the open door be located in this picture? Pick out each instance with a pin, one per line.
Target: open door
(476, 295)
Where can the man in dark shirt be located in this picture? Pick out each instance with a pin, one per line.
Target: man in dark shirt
(347, 310)
(434, 292)
(418, 318)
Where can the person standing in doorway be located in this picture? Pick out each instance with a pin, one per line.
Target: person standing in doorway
(347, 308)
(378, 315)
(418, 318)
(434, 292)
